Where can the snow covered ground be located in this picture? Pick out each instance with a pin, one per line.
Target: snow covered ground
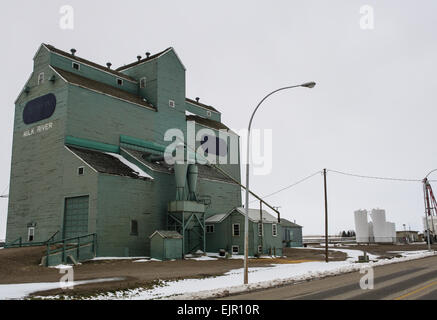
(261, 277)
(21, 290)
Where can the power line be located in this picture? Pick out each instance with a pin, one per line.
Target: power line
(290, 186)
(374, 177)
(346, 174)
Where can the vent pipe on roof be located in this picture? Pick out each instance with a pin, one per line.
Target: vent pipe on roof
(73, 51)
(139, 58)
(109, 64)
(148, 54)
(197, 99)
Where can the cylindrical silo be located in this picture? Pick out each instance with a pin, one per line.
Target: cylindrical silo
(380, 230)
(393, 232)
(193, 173)
(361, 226)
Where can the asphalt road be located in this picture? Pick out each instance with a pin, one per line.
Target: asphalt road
(412, 280)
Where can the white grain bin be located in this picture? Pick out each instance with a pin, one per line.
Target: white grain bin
(361, 226)
(371, 235)
(393, 232)
(390, 232)
(380, 229)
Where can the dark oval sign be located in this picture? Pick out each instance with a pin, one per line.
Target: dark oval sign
(39, 109)
(214, 145)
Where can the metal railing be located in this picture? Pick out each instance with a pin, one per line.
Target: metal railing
(69, 244)
(18, 243)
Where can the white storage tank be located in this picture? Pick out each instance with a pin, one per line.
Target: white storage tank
(380, 229)
(361, 226)
(393, 232)
(371, 235)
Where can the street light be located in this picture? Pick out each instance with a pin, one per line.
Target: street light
(246, 220)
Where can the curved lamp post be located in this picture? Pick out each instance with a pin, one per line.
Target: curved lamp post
(246, 221)
(425, 182)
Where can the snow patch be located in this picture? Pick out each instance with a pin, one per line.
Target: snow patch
(22, 290)
(134, 167)
(117, 258)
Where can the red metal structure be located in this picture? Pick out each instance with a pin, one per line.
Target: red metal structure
(430, 206)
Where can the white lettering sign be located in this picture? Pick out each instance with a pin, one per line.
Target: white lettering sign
(38, 129)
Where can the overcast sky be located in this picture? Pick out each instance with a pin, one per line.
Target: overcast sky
(373, 111)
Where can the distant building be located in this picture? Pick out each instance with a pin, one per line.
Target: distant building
(407, 236)
(226, 231)
(378, 230)
(291, 234)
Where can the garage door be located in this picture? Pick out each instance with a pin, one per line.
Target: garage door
(76, 217)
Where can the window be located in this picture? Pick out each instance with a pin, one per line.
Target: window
(171, 103)
(143, 82)
(30, 234)
(208, 113)
(76, 66)
(214, 145)
(39, 109)
(134, 227)
(80, 171)
(236, 229)
(260, 229)
(235, 249)
(260, 249)
(274, 229)
(40, 78)
(119, 82)
(210, 229)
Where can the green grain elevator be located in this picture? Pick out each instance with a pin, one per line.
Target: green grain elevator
(88, 155)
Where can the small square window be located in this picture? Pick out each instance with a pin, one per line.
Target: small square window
(171, 103)
(235, 249)
(134, 227)
(30, 234)
(40, 78)
(143, 82)
(210, 229)
(208, 113)
(81, 171)
(260, 229)
(120, 82)
(274, 230)
(236, 229)
(76, 66)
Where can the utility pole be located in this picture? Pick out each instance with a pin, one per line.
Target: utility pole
(326, 215)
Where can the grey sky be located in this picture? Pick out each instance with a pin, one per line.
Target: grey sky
(373, 111)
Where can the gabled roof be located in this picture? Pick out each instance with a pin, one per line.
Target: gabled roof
(254, 216)
(201, 105)
(101, 87)
(288, 223)
(90, 63)
(207, 122)
(167, 234)
(153, 56)
(105, 163)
